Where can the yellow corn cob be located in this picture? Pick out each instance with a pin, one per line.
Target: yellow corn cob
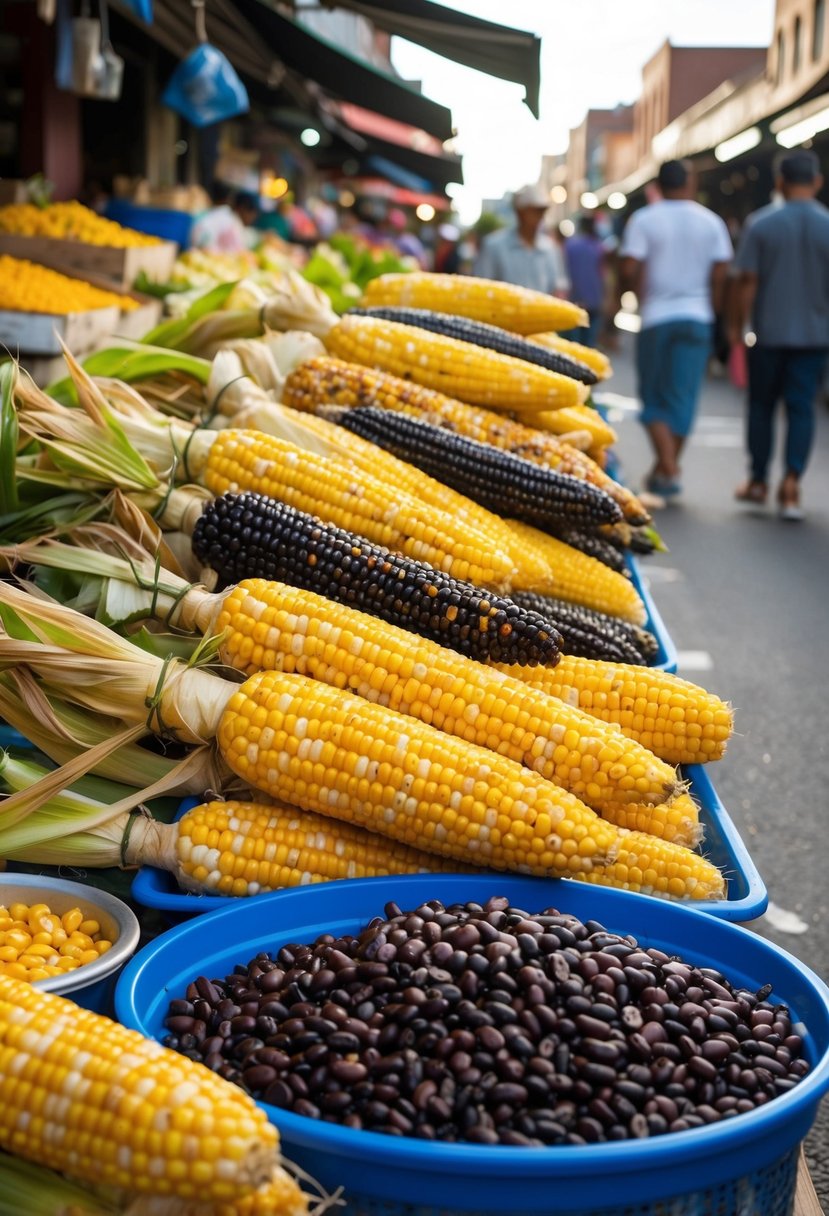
(247, 460)
(573, 418)
(278, 1197)
(674, 718)
(678, 822)
(324, 381)
(595, 360)
(92, 1099)
(471, 373)
(272, 627)
(516, 308)
(582, 579)
(327, 751)
(245, 848)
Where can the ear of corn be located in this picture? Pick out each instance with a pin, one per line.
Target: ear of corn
(333, 381)
(590, 634)
(247, 460)
(591, 543)
(245, 849)
(101, 1103)
(497, 480)
(269, 627)
(672, 717)
(515, 308)
(570, 419)
(488, 336)
(588, 355)
(581, 579)
(327, 751)
(451, 366)
(247, 535)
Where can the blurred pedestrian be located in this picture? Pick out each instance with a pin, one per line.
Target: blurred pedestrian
(674, 254)
(585, 255)
(219, 229)
(783, 292)
(525, 255)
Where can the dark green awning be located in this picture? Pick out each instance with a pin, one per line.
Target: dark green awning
(342, 75)
(495, 49)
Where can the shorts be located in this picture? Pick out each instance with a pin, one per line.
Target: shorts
(671, 360)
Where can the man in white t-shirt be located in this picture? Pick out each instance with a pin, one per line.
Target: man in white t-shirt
(675, 254)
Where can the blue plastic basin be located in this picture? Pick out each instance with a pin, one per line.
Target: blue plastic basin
(398, 1175)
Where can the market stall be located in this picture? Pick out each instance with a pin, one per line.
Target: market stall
(326, 643)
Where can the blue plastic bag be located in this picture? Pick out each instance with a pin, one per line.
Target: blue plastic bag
(205, 88)
(142, 9)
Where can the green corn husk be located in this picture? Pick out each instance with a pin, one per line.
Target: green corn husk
(243, 309)
(30, 1190)
(132, 362)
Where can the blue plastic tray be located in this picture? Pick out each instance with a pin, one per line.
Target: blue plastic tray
(747, 894)
(9, 737)
(666, 658)
(384, 1174)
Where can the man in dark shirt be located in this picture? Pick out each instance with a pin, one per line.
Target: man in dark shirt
(782, 291)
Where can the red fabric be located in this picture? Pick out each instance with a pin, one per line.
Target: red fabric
(738, 366)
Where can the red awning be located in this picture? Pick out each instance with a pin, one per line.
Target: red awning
(378, 187)
(367, 122)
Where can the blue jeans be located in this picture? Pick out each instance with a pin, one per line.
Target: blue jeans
(671, 359)
(793, 375)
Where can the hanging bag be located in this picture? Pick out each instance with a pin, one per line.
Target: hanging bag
(205, 87)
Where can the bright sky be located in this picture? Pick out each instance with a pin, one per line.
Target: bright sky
(592, 53)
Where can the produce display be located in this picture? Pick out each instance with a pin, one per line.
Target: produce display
(36, 943)
(29, 287)
(341, 575)
(461, 369)
(323, 381)
(488, 336)
(489, 1024)
(70, 222)
(514, 308)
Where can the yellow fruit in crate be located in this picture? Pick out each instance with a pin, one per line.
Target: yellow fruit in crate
(29, 287)
(69, 222)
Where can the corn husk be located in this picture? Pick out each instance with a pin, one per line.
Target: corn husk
(246, 310)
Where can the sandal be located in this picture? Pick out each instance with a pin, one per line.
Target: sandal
(753, 491)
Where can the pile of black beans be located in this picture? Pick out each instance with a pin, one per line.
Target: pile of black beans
(488, 1024)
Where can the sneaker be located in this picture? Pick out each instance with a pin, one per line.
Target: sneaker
(755, 492)
(788, 501)
(662, 487)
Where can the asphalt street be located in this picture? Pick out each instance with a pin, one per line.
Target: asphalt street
(745, 597)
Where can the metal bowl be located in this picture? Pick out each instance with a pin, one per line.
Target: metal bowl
(90, 984)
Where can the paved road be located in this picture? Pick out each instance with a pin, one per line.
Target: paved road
(745, 597)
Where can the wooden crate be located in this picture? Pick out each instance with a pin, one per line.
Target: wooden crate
(120, 267)
(40, 333)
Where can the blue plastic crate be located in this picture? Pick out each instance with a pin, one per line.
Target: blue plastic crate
(666, 656)
(165, 223)
(739, 1167)
(747, 894)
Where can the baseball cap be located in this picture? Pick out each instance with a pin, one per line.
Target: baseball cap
(799, 168)
(531, 196)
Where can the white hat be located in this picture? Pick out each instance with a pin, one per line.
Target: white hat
(531, 196)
